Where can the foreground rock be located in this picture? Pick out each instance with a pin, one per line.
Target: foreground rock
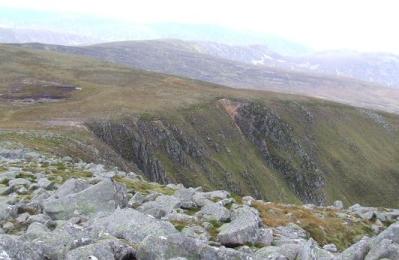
(11, 248)
(132, 225)
(103, 197)
(245, 228)
(177, 245)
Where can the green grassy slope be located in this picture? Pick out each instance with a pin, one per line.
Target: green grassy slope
(355, 151)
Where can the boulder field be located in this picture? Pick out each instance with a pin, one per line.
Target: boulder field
(59, 208)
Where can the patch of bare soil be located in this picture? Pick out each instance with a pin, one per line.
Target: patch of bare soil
(32, 90)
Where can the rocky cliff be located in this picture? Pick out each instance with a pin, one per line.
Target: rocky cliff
(152, 144)
(246, 147)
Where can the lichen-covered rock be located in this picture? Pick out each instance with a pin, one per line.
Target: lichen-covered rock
(247, 200)
(331, 248)
(357, 251)
(132, 225)
(289, 234)
(244, 228)
(289, 251)
(186, 197)
(137, 200)
(196, 232)
(45, 183)
(103, 249)
(180, 218)
(12, 248)
(71, 186)
(391, 233)
(311, 251)
(214, 212)
(161, 206)
(53, 244)
(385, 248)
(265, 237)
(177, 245)
(105, 196)
(270, 252)
(366, 213)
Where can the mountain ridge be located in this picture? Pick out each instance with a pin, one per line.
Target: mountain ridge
(182, 59)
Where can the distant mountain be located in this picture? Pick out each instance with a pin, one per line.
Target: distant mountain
(191, 59)
(381, 68)
(106, 30)
(8, 35)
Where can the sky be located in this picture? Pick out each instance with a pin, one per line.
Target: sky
(364, 25)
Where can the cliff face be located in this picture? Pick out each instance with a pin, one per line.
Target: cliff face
(141, 140)
(281, 150)
(249, 148)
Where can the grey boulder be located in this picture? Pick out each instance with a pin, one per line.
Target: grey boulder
(179, 246)
(244, 228)
(289, 234)
(357, 251)
(71, 186)
(132, 225)
(161, 206)
(11, 248)
(391, 233)
(385, 248)
(215, 212)
(311, 251)
(54, 244)
(286, 251)
(103, 250)
(186, 197)
(104, 197)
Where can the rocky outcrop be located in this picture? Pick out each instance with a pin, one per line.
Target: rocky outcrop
(140, 140)
(158, 146)
(274, 138)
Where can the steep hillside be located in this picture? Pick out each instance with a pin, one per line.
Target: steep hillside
(273, 146)
(189, 60)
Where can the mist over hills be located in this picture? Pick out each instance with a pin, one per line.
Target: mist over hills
(24, 26)
(380, 68)
(100, 29)
(8, 35)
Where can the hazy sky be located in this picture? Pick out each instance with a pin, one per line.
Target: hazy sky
(367, 25)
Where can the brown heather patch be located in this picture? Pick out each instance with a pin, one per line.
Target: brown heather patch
(322, 224)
